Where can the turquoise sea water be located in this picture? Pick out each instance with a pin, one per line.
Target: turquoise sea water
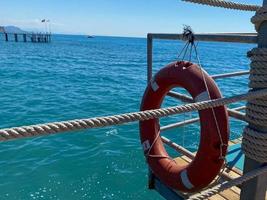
(75, 77)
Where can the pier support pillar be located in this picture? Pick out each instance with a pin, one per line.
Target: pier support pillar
(149, 57)
(24, 38)
(6, 37)
(16, 37)
(255, 189)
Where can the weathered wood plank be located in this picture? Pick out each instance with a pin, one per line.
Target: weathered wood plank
(231, 194)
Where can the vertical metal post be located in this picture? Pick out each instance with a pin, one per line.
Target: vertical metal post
(255, 189)
(149, 57)
(6, 37)
(16, 37)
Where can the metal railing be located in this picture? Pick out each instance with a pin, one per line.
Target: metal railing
(219, 37)
(234, 113)
(226, 37)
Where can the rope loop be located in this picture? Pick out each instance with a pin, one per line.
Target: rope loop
(254, 144)
(258, 72)
(188, 34)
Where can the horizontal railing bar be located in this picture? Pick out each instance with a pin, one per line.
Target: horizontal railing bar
(239, 108)
(218, 37)
(180, 96)
(232, 112)
(237, 115)
(216, 76)
(231, 74)
(179, 124)
(178, 148)
(27, 33)
(188, 99)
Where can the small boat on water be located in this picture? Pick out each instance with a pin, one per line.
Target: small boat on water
(90, 36)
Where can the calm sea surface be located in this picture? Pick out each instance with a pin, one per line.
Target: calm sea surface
(75, 77)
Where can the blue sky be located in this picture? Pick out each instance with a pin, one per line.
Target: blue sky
(123, 17)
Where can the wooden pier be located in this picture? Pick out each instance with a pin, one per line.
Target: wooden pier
(27, 37)
(231, 172)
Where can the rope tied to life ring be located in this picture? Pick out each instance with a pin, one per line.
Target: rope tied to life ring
(189, 37)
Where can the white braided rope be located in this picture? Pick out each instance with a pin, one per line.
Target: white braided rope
(254, 143)
(226, 4)
(258, 75)
(227, 185)
(79, 124)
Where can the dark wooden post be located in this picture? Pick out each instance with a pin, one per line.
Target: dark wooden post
(6, 37)
(24, 37)
(16, 37)
(34, 37)
(149, 57)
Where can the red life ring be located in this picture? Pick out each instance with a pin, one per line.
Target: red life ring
(208, 160)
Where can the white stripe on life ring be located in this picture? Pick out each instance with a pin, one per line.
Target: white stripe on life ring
(185, 180)
(146, 145)
(154, 86)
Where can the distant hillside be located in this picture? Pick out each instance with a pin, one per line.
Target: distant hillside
(11, 29)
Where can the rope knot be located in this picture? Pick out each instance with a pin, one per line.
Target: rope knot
(188, 34)
(259, 17)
